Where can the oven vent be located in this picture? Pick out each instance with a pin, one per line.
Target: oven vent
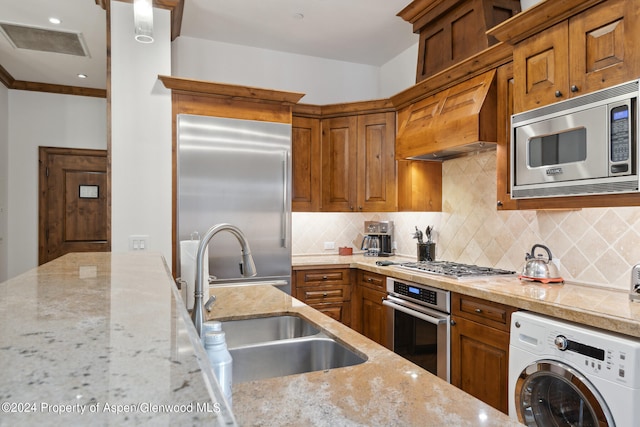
(45, 40)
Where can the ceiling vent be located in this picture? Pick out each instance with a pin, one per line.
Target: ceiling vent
(44, 40)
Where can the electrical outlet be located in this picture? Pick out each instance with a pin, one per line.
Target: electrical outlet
(138, 242)
(329, 245)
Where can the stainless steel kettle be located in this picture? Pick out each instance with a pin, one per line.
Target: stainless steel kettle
(539, 269)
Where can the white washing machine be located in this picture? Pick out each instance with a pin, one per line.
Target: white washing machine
(564, 374)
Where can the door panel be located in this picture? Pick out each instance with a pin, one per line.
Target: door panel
(73, 202)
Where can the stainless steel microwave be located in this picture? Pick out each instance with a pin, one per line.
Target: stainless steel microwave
(581, 146)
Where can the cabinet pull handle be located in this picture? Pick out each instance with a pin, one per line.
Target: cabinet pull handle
(478, 310)
(558, 94)
(574, 88)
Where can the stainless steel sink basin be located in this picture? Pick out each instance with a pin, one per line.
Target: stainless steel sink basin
(265, 329)
(288, 357)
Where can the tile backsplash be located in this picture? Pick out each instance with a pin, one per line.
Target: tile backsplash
(596, 246)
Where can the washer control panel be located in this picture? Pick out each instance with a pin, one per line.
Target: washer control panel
(594, 351)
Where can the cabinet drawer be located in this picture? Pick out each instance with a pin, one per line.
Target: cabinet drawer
(482, 311)
(320, 294)
(334, 276)
(337, 311)
(372, 280)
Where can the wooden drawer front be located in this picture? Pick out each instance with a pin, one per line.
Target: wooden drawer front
(337, 277)
(372, 280)
(482, 311)
(318, 294)
(340, 312)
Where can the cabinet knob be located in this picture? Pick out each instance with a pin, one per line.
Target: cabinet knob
(452, 322)
(360, 207)
(369, 280)
(500, 204)
(574, 88)
(324, 277)
(558, 94)
(324, 295)
(478, 310)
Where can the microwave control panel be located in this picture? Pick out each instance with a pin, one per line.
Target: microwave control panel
(620, 139)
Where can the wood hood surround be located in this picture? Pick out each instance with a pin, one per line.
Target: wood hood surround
(458, 120)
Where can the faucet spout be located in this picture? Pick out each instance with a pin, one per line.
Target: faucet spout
(248, 267)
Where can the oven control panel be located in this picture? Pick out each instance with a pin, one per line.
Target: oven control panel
(425, 295)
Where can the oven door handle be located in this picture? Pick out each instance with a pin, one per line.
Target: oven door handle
(414, 313)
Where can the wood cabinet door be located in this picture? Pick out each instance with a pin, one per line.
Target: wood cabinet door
(542, 68)
(373, 315)
(306, 164)
(603, 46)
(480, 362)
(376, 167)
(339, 164)
(503, 150)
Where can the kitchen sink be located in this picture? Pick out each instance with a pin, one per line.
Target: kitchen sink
(290, 356)
(265, 329)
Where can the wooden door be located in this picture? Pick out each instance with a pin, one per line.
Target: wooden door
(503, 149)
(480, 362)
(541, 67)
(603, 46)
(73, 202)
(373, 315)
(306, 164)
(376, 169)
(339, 164)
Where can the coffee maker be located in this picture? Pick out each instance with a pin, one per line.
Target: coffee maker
(378, 238)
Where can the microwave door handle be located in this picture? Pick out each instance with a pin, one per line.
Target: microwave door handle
(414, 313)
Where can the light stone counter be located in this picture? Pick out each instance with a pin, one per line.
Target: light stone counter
(608, 309)
(386, 390)
(102, 339)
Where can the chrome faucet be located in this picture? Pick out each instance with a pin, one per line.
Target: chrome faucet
(248, 268)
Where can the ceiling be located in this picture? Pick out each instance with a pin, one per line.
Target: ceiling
(361, 31)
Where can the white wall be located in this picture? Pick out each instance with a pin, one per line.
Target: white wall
(141, 133)
(399, 73)
(4, 179)
(49, 120)
(324, 81)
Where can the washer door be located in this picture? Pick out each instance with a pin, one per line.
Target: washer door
(550, 393)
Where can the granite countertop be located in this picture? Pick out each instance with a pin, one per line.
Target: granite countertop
(385, 390)
(102, 339)
(609, 309)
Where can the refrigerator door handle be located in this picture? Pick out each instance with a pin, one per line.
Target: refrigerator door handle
(285, 193)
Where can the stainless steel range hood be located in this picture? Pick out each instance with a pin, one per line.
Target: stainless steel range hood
(454, 122)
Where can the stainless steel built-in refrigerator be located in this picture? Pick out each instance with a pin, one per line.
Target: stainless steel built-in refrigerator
(238, 172)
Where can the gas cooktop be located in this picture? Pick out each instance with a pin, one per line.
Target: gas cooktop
(455, 270)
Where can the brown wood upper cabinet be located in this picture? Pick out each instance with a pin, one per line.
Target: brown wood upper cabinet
(306, 167)
(587, 52)
(358, 163)
(453, 30)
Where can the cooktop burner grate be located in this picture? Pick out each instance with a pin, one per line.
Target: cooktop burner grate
(454, 269)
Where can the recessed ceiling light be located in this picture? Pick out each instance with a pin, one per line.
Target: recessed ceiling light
(82, 76)
(55, 21)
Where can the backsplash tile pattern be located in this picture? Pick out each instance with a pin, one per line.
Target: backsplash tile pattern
(596, 246)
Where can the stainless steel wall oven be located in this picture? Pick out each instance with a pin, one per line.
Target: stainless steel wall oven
(418, 319)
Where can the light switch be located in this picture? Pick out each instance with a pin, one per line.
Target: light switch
(138, 242)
